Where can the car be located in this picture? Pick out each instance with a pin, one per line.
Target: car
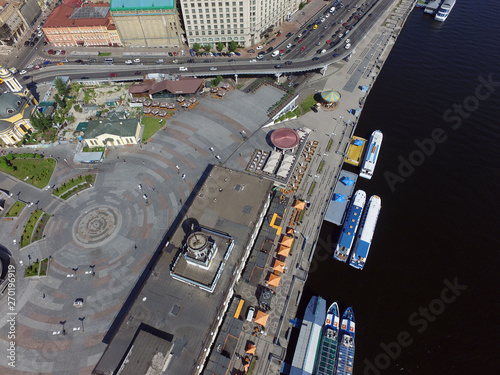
(79, 61)
(183, 69)
(27, 43)
(251, 51)
(30, 66)
(58, 52)
(45, 43)
(63, 52)
(289, 45)
(50, 51)
(301, 40)
(282, 50)
(253, 60)
(303, 48)
(290, 84)
(231, 60)
(296, 38)
(113, 75)
(84, 78)
(304, 32)
(278, 66)
(32, 44)
(347, 46)
(318, 44)
(213, 68)
(314, 109)
(36, 67)
(211, 54)
(332, 44)
(289, 35)
(47, 62)
(190, 61)
(272, 40)
(288, 51)
(323, 51)
(340, 36)
(328, 41)
(36, 39)
(60, 63)
(175, 53)
(26, 77)
(138, 73)
(23, 72)
(137, 61)
(65, 61)
(270, 49)
(93, 61)
(128, 62)
(278, 34)
(40, 33)
(321, 37)
(315, 58)
(206, 61)
(299, 36)
(347, 41)
(327, 15)
(322, 20)
(335, 54)
(315, 27)
(170, 54)
(259, 48)
(237, 54)
(288, 63)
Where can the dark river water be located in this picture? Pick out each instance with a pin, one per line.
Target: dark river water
(427, 301)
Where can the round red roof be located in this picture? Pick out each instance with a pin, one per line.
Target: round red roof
(285, 138)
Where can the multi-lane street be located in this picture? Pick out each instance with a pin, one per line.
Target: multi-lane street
(317, 44)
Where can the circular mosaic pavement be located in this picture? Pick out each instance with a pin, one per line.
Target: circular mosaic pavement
(97, 225)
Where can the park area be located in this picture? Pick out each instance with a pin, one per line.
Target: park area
(151, 126)
(16, 209)
(31, 168)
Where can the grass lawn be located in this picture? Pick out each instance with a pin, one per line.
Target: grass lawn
(78, 184)
(68, 185)
(43, 267)
(311, 189)
(32, 270)
(16, 209)
(30, 227)
(38, 171)
(151, 126)
(41, 227)
(308, 102)
(94, 149)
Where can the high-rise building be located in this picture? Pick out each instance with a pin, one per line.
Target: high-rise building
(244, 21)
(147, 23)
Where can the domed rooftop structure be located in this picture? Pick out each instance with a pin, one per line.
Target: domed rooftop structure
(330, 96)
(10, 105)
(285, 138)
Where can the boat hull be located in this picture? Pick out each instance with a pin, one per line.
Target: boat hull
(371, 156)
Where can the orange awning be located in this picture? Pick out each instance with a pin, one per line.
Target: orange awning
(290, 231)
(299, 205)
(261, 318)
(287, 241)
(251, 348)
(274, 280)
(278, 265)
(283, 250)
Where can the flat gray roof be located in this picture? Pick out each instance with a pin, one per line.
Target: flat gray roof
(335, 212)
(229, 201)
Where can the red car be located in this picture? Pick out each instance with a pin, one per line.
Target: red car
(282, 50)
(36, 67)
(113, 75)
(63, 52)
(50, 51)
(303, 48)
(175, 53)
(300, 41)
(278, 34)
(328, 41)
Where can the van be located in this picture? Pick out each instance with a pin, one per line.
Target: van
(109, 60)
(276, 53)
(251, 311)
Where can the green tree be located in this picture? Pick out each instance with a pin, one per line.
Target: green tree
(220, 46)
(207, 47)
(233, 46)
(40, 122)
(60, 102)
(196, 47)
(61, 87)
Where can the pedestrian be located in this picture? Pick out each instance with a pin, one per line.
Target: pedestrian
(118, 157)
(124, 160)
(43, 296)
(143, 162)
(135, 246)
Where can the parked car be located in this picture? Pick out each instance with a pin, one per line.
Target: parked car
(259, 47)
(288, 62)
(303, 48)
(138, 73)
(128, 62)
(36, 67)
(289, 45)
(289, 35)
(183, 69)
(23, 72)
(27, 43)
(251, 51)
(63, 52)
(137, 61)
(26, 77)
(315, 58)
(47, 62)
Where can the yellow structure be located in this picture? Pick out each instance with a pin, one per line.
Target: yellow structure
(355, 151)
(16, 108)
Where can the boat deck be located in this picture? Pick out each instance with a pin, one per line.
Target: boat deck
(336, 210)
(354, 153)
(327, 355)
(433, 6)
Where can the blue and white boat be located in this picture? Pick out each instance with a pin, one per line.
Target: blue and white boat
(326, 358)
(309, 337)
(371, 155)
(350, 226)
(345, 362)
(444, 10)
(365, 232)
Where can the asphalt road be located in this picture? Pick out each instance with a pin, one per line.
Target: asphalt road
(301, 61)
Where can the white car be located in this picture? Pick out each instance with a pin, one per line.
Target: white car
(40, 33)
(23, 72)
(347, 46)
(327, 15)
(137, 61)
(213, 68)
(289, 45)
(183, 69)
(347, 41)
(129, 62)
(253, 60)
(322, 20)
(30, 66)
(259, 47)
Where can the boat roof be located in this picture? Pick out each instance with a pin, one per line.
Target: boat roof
(336, 209)
(362, 249)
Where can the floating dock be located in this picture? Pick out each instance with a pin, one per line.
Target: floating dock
(336, 208)
(355, 151)
(432, 6)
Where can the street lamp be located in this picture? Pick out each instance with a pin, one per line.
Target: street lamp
(81, 320)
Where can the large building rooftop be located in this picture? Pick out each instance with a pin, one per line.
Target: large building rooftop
(141, 4)
(228, 201)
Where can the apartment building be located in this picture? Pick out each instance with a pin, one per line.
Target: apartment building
(242, 21)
